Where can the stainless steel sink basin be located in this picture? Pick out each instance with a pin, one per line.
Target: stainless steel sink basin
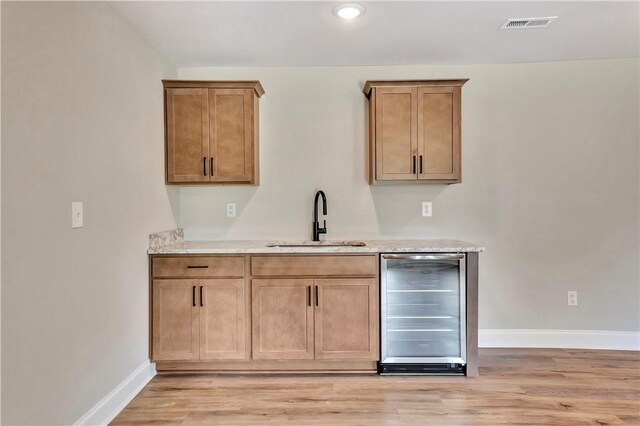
(319, 244)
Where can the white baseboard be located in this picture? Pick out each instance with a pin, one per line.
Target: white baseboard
(570, 339)
(109, 407)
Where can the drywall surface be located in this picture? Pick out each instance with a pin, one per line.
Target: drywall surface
(82, 120)
(550, 181)
(0, 235)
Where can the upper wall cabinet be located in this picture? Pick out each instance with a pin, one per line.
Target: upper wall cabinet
(414, 130)
(211, 132)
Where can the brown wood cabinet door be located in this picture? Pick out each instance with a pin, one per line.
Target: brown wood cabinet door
(176, 329)
(396, 133)
(231, 134)
(187, 135)
(439, 133)
(346, 319)
(222, 319)
(282, 319)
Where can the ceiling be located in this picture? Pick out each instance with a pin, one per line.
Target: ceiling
(306, 33)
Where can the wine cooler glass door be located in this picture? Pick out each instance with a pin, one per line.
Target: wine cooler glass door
(423, 308)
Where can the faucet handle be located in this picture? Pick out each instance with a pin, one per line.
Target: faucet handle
(324, 226)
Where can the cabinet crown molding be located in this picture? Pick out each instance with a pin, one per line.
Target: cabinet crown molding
(216, 84)
(370, 84)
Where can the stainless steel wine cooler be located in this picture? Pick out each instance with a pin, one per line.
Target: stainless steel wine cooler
(423, 328)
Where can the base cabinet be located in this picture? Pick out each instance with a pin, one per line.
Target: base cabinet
(262, 319)
(315, 319)
(199, 319)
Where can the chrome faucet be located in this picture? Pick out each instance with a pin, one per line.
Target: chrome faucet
(316, 225)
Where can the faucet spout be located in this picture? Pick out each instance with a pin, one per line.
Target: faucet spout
(315, 205)
(317, 230)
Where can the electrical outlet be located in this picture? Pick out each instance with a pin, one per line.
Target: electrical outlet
(77, 216)
(426, 209)
(572, 298)
(231, 210)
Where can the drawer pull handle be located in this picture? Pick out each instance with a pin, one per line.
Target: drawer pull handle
(204, 165)
(201, 302)
(197, 266)
(194, 295)
(308, 295)
(317, 299)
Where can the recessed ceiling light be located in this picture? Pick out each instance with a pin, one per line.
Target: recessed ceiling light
(348, 11)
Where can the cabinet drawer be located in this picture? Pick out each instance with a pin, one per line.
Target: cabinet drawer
(205, 266)
(317, 266)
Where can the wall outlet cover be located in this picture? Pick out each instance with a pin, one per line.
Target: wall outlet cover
(426, 209)
(572, 298)
(77, 216)
(231, 210)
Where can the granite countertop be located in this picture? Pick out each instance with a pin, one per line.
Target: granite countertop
(172, 242)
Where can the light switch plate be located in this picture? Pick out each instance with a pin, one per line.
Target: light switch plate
(231, 210)
(426, 209)
(77, 216)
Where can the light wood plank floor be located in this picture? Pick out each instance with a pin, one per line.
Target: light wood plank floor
(516, 386)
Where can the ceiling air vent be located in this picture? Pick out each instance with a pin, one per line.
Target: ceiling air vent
(522, 23)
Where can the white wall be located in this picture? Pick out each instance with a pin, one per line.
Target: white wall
(82, 121)
(550, 181)
(0, 235)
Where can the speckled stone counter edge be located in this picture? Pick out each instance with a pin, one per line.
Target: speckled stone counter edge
(172, 242)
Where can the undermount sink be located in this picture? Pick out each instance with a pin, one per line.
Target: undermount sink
(317, 244)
